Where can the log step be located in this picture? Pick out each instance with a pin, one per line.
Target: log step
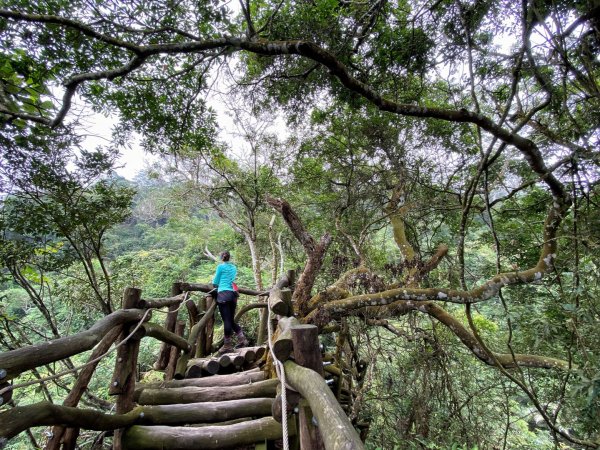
(228, 362)
(193, 394)
(236, 379)
(209, 437)
(193, 413)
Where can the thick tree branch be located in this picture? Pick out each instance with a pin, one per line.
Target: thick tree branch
(505, 359)
(70, 23)
(315, 252)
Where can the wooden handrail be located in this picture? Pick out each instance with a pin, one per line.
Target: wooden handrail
(17, 361)
(337, 431)
(160, 302)
(202, 287)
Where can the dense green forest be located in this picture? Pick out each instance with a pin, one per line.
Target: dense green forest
(429, 167)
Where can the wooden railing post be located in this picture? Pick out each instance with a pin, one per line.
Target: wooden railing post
(165, 349)
(208, 332)
(201, 345)
(124, 377)
(307, 353)
(67, 436)
(170, 371)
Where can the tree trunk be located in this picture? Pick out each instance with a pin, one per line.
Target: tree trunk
(179, 327)
(171, 319)
(125, 374)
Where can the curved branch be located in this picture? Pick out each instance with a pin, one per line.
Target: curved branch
(70, 23)
(505, 359)
(481, 293)
(73, 82)
(249, 307)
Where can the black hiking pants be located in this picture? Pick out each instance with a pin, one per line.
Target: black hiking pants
(226, 301)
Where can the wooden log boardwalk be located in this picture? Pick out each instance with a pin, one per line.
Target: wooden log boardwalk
(205, 401)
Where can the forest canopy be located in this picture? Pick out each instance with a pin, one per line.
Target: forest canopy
(430, 166)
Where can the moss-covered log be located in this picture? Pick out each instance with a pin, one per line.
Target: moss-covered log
(210, 437)
(207, 394)
(17, 361)
(335, 427)
(21, 418)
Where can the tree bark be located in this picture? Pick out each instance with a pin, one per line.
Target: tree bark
(125, 374)
(315, 252)
(170, 371)
(170, 320)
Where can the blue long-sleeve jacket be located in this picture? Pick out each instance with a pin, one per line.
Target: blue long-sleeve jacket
(224, 276)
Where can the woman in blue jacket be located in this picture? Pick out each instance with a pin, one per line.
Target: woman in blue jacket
(227, 302)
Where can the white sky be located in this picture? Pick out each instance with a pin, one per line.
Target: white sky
(134, 159)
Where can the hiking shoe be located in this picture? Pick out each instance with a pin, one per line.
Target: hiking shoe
(242, 343)
(227, 348)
